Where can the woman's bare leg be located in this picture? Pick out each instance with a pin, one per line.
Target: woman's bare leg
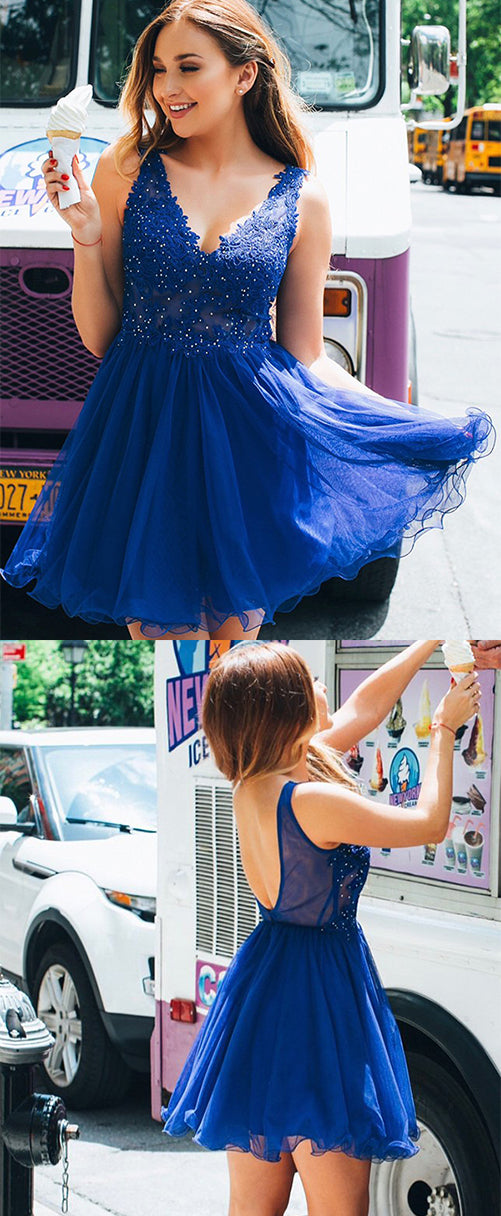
(334, 1184)
(137, 636)
(259, 1188)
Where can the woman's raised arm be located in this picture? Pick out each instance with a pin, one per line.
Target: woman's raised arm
(330, 813)
(375, 697)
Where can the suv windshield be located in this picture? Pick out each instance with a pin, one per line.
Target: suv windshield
(102, 785)
(333, 46)
(38, 41)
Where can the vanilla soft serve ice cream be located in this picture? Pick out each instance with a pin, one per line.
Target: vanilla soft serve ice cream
(459, 658)
(67, 121)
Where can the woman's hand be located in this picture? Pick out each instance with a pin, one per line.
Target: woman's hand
(84, 218)
(460, 703)
(487, 655)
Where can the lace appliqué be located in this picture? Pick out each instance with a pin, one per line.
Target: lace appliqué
(197, 301)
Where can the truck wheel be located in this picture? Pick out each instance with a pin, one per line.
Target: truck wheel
(374, 582)
(83, 1067)
(455, 1172)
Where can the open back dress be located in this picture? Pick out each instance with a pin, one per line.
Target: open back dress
(210, 474)
(300, 1042)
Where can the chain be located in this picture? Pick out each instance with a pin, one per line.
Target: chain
(66, 1168)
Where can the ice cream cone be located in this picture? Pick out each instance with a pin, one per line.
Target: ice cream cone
(459, 658)
(463, 669)
(65, 124)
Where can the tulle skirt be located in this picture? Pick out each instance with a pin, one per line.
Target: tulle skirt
(193, 489)
(300, 1044)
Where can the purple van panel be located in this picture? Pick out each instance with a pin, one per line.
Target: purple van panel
(170, 1044)
(46, 370)
(388, 320)
(26, 458)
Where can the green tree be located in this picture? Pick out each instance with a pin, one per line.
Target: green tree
(114, 686)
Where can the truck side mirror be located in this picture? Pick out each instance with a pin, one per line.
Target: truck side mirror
(429, 60)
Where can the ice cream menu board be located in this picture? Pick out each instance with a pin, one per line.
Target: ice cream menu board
(390, 764)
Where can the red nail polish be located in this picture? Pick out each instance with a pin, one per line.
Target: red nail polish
(65, 177)
(65, 187)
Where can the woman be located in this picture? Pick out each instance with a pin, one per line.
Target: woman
(217, 473)
(299, 1063)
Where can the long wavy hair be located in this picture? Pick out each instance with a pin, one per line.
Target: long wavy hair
(258, 707)
(273, 110)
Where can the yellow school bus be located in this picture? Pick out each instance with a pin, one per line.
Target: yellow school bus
(434, 157)
(416, 143)
(473, 150)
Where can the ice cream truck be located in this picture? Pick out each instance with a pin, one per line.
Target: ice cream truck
(430, 913)
(346, 63)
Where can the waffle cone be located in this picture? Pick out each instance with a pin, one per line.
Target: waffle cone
(64, 134)
(464, 667)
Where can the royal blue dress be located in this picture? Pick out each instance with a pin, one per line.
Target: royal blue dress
(210, 474)
(301, 1042)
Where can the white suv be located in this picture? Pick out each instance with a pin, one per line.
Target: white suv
(77, 898)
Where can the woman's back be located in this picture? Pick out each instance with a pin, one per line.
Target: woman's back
(293, 879)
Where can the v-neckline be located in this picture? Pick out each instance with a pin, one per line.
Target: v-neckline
(241, 223)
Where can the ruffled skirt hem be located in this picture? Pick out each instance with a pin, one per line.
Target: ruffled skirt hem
(265, 1150)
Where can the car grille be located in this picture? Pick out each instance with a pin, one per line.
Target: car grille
(226, 910)
(44, 359)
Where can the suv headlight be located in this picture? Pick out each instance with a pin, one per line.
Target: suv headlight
(144, 906)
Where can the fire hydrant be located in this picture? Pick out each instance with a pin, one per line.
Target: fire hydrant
(34, 1129)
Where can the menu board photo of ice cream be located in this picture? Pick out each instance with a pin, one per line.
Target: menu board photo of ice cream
(390, 764)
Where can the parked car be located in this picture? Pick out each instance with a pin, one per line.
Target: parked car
(77, 898)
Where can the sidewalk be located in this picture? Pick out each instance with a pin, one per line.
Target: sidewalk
(128, 1183)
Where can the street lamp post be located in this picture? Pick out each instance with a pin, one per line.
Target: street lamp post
(73, 653)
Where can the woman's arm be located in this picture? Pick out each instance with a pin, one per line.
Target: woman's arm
(98, 265)
(330, 813)
(300, 298)
(369, 705)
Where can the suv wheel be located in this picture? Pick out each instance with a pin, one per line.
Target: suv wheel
(83, 1067)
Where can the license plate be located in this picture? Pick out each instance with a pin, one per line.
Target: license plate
(19, 490)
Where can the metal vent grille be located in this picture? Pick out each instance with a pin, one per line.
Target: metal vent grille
(226, 908)
(44, 358)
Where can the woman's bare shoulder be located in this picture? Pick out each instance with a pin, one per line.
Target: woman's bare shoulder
(315, 793)
(314, 200)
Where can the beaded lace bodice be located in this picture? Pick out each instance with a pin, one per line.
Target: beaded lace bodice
(318, 887)
(196, 301)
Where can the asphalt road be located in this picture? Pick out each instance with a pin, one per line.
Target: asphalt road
(453, 576)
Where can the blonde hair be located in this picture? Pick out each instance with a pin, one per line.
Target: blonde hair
(273, 110)
(258, 707)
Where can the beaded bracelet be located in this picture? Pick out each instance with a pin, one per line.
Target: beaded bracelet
(436, 725)
(86, 244)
